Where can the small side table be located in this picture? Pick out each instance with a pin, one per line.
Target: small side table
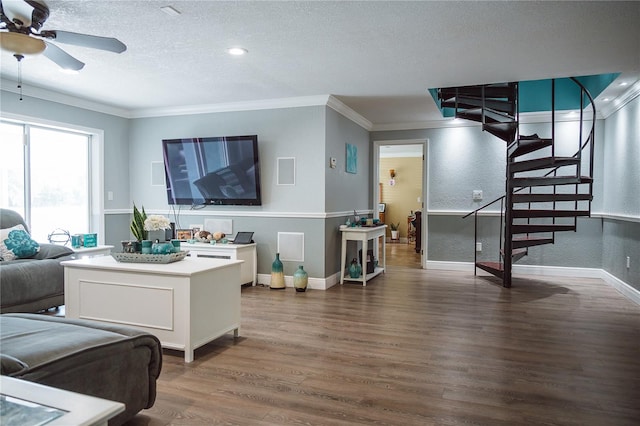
(363, 234)
(82, 252)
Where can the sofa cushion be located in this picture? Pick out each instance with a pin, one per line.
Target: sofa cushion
(15, 243)
(52, 251)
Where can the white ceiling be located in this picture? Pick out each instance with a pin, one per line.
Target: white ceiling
(377, 57)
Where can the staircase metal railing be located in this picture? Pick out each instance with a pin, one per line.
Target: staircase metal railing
(504, 246)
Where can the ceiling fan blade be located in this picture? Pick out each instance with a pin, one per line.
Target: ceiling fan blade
(62, 58)
(85, 40)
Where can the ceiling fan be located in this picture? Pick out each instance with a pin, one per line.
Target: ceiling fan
(21, 33)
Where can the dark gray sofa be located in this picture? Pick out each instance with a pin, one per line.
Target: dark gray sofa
(102, 360)
(36, 283)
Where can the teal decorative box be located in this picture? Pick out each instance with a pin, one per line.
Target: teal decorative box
(90, 240)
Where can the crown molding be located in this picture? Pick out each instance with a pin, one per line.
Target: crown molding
(450, 122)
(301, 101)
(622, 100)
(417, 125)
(61, 98)
(295, 102)
(338, 106)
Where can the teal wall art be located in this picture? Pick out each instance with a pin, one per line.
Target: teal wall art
(352, 159)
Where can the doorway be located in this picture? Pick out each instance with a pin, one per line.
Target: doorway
(400, 192)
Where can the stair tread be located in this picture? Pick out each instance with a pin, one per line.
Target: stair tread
(524, 213)
(542, 163)
(491, 116)
(494, 268)
(530, 241)
(549, 197)
(529, 145)
(504, 131)
(529, 228)
(495, 265)
(469, 102)
(549, 180)
(496, 90)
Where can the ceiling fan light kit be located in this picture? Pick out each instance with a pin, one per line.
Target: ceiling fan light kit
(20, 24)
(21, 44)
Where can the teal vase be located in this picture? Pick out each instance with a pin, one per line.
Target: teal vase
(300, 279)
(146, 246)
(161, 248)
(277, 274)
(354, 269)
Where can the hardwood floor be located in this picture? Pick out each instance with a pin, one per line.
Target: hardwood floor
(416, 347)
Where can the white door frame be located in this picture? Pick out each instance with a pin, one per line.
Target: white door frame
(376, 180)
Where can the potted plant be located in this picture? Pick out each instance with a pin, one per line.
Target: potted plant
(137, 224)
(394, 230)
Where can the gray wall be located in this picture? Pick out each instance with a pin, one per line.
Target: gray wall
(465, 158)
(344, 191)
(311, 135)
(621, 194)
(286, 132)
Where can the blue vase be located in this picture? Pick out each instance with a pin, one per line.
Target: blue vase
(300, 279)
(355, 269)
(146, 246)
(162, 248)
(277, 274)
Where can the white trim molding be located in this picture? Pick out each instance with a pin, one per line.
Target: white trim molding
(623, 288)
(619, 217)
(618, 103)
(314, 283)
(242, 213)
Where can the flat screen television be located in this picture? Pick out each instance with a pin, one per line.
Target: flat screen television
(212, 171)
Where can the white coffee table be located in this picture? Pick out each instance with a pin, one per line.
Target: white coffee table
(27, 401)
(186, 304)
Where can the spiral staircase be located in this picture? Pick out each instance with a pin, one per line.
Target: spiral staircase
(545, 192)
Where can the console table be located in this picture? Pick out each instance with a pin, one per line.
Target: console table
(363, 234)
(25, 402)
(185, 304)
(246, 252)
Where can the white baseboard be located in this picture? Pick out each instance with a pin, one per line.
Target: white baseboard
(557, 271)
(623, 288)
(314, 283)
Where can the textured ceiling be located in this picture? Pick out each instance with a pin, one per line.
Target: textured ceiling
(378, 57)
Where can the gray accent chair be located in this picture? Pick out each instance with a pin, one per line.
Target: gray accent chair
(36, 283)
(102, 360)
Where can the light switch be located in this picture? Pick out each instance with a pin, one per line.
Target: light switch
(477, 195)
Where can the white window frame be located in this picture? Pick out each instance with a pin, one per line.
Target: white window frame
(96, 166)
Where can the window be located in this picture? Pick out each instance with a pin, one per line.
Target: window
(45, 176)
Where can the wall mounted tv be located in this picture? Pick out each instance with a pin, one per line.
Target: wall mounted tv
(212, 171)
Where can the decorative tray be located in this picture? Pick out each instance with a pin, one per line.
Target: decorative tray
(149, 258)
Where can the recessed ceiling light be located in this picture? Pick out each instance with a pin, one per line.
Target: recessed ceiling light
(606, 99)
(237, 51)
(170, 10)
(623, 83)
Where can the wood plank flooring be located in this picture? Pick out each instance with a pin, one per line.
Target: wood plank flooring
(415, 347)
